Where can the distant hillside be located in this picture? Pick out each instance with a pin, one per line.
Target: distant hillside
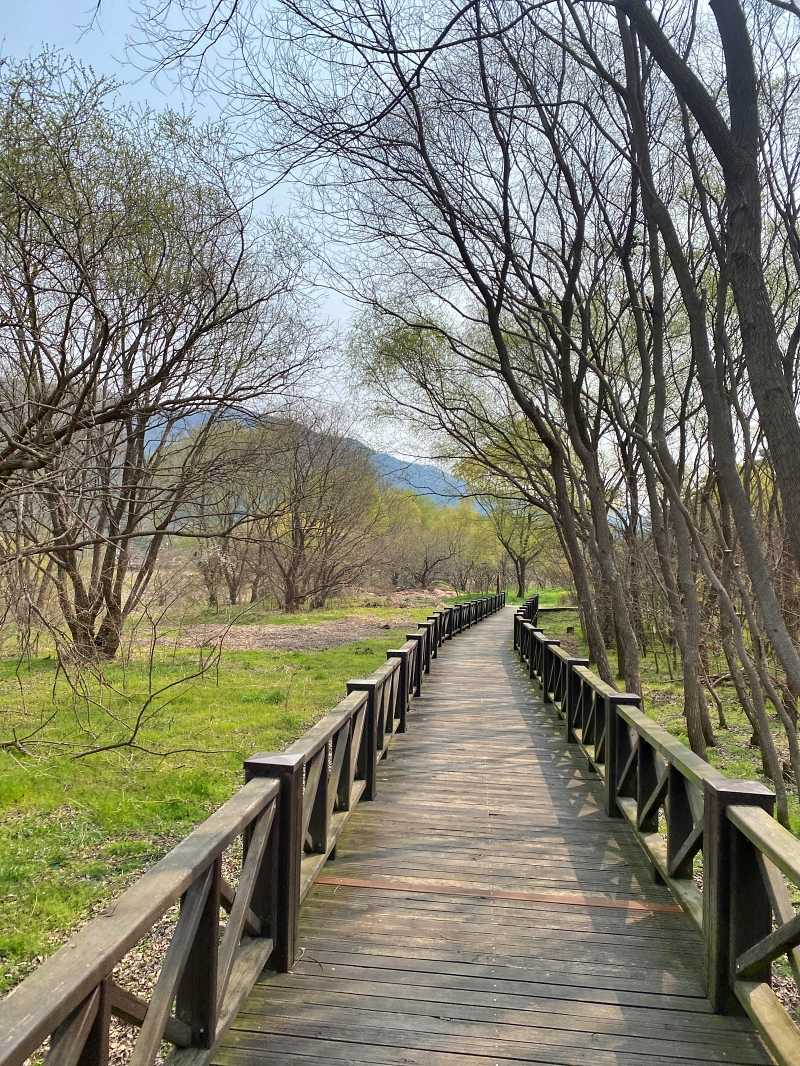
(422, 478)
(425, 479)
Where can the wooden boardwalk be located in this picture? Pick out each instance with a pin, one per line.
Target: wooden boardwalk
(483, 910)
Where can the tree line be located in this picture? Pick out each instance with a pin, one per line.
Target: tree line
(574, 231)
(299, 515)
(156, 339)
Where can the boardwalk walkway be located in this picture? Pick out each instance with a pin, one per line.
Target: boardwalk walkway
(483, 910)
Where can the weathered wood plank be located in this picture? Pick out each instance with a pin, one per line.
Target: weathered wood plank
(483, 908)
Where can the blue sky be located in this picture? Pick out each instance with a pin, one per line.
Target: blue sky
(28, 24)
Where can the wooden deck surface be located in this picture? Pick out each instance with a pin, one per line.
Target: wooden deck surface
(483, 910)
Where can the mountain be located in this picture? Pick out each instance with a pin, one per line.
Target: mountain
(422, 478)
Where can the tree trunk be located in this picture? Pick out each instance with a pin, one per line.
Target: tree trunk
(737, 150)
(626, 637)
(583, 588)
(719, 424)
(695, 709)
(521, 565)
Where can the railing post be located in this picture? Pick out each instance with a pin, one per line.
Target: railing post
(617, 746)
(370, 741)
(319, 823)
(420, 660)
(96, 1044)
(196, 1001)
(288, 769)
(548, 660)
(537, 655)
(526, 644)
(680, 824)
(430, 645)
(436, 618)
(736, 908)
(403, 682)
(572, 688)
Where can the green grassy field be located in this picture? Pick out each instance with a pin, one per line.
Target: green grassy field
(75, 830)
(547, 597)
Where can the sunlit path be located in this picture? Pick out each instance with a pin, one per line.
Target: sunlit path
(484, 909)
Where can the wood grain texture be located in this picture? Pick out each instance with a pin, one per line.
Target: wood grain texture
(484, 910)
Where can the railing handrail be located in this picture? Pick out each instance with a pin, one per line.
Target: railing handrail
(290, 812)
(771, 838)
(31, 1012)
(743, 913)
(694, 768)
(315, 738)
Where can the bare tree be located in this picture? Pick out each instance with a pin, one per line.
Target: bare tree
(325, 511)
(139, 304)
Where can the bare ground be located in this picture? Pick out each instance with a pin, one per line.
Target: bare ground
(290, 637)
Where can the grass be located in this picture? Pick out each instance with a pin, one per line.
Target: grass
(263, 613)
(74, 831)
(663, 702)
(547, 597)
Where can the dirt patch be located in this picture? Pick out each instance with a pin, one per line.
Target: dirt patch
(290, 637)
(417, 598)
(403, 598)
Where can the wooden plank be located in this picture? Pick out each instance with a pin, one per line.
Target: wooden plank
(565, 900)
(133, 1010)
(488, 917)
(232, 936)
(482, 908)
(253, 955)
(779, 845)
(778, 943)
(68, 1041)
(507, 974)
(548, 999)
(454, 1040)
(607, 967)
(522, 1024)
(769, 1016)
(154, 1022)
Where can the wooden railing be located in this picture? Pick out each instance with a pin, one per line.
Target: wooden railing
(712, 840)
(290, 814)
(528, 612)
